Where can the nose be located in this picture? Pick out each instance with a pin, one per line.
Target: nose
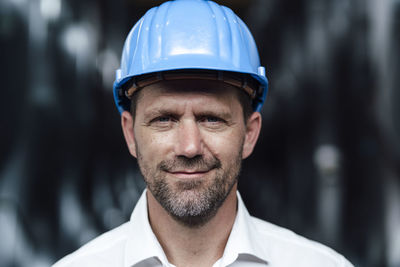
(189, 141)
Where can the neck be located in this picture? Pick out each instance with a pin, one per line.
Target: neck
(199, 246)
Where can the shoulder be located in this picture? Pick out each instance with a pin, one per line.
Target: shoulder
(105, 250)
(287, 248)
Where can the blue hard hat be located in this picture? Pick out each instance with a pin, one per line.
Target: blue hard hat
(189, 35)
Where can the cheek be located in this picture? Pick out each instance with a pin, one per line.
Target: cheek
(151, 146)
(225, 147)
(155, 147)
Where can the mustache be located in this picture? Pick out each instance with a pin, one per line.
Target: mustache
(198, 163)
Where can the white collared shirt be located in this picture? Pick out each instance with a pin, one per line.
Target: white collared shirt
(252, 243)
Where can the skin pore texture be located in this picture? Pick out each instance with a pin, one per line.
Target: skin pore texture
(189, 138)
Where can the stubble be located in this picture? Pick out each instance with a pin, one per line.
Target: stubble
(192, 203)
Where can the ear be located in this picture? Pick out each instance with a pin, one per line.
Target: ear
(253, 127)
(127, 128)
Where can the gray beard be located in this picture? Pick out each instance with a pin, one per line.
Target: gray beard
(191, 203)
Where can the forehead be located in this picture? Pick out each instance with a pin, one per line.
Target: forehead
(205, 93)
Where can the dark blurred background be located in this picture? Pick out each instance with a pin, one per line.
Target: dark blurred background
(327, 164)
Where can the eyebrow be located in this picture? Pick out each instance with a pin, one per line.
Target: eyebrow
(220, 114)
(173, 112)
(159, 111)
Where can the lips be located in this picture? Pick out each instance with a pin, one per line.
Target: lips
(185, 174)
(189, 166)
(188, 171)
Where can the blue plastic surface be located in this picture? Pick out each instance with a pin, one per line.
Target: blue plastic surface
(189, 34)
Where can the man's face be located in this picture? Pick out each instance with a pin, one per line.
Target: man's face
(189, 138)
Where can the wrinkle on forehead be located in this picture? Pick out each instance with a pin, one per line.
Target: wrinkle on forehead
(197, 95)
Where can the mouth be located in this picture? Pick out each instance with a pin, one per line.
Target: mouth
(186, 174)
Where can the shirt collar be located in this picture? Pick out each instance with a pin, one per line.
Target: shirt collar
(244, 240)
(142, 244)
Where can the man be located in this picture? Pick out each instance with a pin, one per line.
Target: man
(189, 92)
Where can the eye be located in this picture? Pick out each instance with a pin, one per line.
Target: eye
(162, 122)
(212, 119)
(212, 122)
(162, 119)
